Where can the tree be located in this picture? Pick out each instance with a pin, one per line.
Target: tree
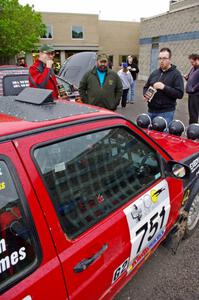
(20, 28)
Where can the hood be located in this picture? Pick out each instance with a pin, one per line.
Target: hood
(173, 67)
(76, 66)
(179, 149)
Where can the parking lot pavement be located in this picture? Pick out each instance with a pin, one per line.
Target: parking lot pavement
(140, 106)
(164, 276)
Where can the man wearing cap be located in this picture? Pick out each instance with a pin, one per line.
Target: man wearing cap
(127, 81)
(21, 60)
(101, 86)
(41, 74)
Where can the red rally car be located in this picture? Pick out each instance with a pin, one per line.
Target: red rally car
(85, 197)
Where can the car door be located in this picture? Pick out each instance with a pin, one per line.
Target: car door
(105, 198)
(28, 261)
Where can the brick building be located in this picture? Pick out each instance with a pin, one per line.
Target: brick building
(177, 29)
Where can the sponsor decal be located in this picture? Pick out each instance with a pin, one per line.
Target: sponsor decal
(154, 194)
(186, 196)
(100, 198)
(146, 252)
(136, 213)
(120, 270)
(194, 165)
(138, 259)
(147, 201)
(2, 185)
(12, 259)
(147, 218)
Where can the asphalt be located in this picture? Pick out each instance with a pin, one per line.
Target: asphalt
(164, 276)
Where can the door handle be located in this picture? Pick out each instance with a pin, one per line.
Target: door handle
(84, 263)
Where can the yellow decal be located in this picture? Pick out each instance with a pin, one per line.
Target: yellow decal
(110, 82)
(186, 196)
(154, 196)
(2, 185)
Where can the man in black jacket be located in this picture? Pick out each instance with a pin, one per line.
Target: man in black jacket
(164, 86)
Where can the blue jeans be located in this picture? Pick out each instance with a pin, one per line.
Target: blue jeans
(131, 93)
(167, 115)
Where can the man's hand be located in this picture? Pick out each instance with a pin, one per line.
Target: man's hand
(78, 99)
(49, 63)
(159, 85)
(186, 76)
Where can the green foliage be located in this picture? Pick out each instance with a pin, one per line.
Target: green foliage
(20, 28)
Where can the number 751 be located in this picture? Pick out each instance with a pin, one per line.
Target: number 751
(153, 225)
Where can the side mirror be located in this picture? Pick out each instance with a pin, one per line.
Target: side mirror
(178, 170)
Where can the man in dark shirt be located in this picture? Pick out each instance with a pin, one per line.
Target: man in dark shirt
(192, 88)
(168, 85)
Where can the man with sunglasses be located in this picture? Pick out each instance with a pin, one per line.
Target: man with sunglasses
(164, 86)
(41, 74)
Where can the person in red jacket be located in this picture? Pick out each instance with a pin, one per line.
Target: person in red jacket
(41, 74)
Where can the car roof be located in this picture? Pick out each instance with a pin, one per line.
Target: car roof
(19, 118)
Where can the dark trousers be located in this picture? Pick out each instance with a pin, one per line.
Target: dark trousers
(124, 97)
(193, 106)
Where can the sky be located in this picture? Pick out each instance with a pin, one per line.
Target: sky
(124, 10)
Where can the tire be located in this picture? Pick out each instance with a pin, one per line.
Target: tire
(193, 217)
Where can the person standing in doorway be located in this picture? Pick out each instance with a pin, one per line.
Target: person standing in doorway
(101, 86)
(192, 88)
(127, 81)
(134, 70)
(166, 86)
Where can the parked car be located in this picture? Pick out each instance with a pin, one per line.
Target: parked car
(85, 197)
(14, 79)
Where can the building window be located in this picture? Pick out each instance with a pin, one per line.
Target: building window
(49, 32)
(77, 32)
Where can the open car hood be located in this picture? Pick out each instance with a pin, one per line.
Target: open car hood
(76, 66)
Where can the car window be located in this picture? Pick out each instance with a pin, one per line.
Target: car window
(14, 84)
(16, 246)
(90, 176)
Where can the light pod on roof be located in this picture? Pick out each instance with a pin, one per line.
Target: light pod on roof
(193, 131)
(143, 121)
(176, 127)
(159, 124)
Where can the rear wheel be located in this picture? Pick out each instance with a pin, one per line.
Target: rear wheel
(193, 217)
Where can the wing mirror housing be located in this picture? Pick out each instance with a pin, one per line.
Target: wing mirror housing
(178, 170)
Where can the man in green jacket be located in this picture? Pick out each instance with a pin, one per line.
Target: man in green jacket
(101, 86)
